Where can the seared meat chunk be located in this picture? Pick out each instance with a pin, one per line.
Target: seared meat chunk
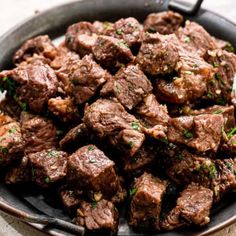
(39, 133)
(40, 45)
(193, 207)
(220, 87)
(166, 22)
(224, 180)
(158, 54)
(95, 216)
(75, 137)
(48, 166)
(108, 118)
(202, 132)
(75, 30)
(34, 84)
(195, 38)
(147, 194)
(131, 86)
(151, 112)
(19, 173)
(90, 170)
(63, 108)
(103, 27)
(83, 78)
(111, 52)
(128, 29)
(11, 141)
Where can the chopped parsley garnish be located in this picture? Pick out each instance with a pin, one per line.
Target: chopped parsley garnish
(217, 112)
(133, 191)
(215, 64)
(209, 95)
(234, 143)
(91, 148)
(8, 85)
(107, 25)
(94, 204)
(164, 140)
(4, 150)
(23, 105)
(33, 173)
(135, 125)
(151, 30)
(231, 133)
(12, 130)
(220, 101)
(218, 76)
(212, 171)
(188, 72)
(92, 161)
(131, 144)
(229, 47)
(187, 39)
(47, 180)
(119, 31)
(228, 165)
(180, 156)
(60, 132)
(235, 172)
(1, 159)
(188, 134)
(52, 153)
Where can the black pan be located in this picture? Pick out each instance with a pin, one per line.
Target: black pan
(30, 206)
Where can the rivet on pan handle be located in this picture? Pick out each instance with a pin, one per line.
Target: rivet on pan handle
(183, 7)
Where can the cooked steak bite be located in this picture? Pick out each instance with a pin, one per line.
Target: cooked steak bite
(221, 86)
(48, 166)
(158, 54)
(64, 109)
(97, 216)
(195, 38)
(147, 193)
(202, 132)
(193, 207)
(39, 133)
(103, 27)
(166, 22)
(224, 180)
(19, 173)
(40, 45)
(11, 141)
(128, 29)
(131, 86)
(32, 85)
(90, 170)
(75, 30)
(75, 137)
(111, 52)
(151, 112)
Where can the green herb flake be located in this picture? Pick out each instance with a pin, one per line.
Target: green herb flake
(220, 101)
(94, 204)
(151, 30)
(135, 125)
(209, 95)
(231, 133)
(188, 134)
(215, 64)
(133, 191)
(131, 144)
(187, 39)
(1, 159)
(4, 150)
(228, 165)
(60, 132)
(52, 153)
(12, 130)
(119, 31)
(187, 72)
(91, 148)
(212, 171)
(23, 105)
(235, 172)
(180, 156)
(234, 143)
(217, 112)
(218, 76)
(229, 47)
(164, 140)
(47, 180)
(9, 85)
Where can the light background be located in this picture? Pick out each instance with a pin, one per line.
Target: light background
(14, 11)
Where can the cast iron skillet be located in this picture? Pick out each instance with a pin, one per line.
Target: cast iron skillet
(28, 204)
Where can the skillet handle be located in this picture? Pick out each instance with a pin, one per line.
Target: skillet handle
(184, 8)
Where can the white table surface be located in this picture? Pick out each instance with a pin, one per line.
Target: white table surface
(14, 11)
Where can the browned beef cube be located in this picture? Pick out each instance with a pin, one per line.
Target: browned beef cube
(103, 27)
(82, 78)
(195, 38)
(224, 180)
(78, 135)
(220, 87)
(64, 109)
(38, 132)
(63, 56)
(202, 132)
(77, 29)
(34, 83)
(158, 54)
(108, 118)
(147, 194)
(193, 206)
(89, 169)
(19, 173)
(131, 86)
(69, 199)
(48, 166)
(151, 112)
(98, 216)
(164, 22)
(128, 29)
(11, 141)
(40, 45)
(111, 52)
(226, 111)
